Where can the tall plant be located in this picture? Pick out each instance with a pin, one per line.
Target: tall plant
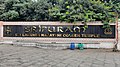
(85, 11)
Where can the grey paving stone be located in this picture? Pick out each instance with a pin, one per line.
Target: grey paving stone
(61, 65)
(52, 63)
(109, 65)
(84, 65)
(95, 65)
(118, 65)
(98, 62)
(46, 65)
(16, 56)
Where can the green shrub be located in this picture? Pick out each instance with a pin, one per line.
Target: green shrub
(85, 10)
(9, 16)
(60, 10)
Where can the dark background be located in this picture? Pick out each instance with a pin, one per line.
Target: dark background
(92, 29)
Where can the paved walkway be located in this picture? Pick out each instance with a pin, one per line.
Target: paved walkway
(16, 56)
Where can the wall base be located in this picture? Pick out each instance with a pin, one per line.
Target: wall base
(64, 45)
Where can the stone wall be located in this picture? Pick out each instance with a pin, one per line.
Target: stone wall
(89, 42)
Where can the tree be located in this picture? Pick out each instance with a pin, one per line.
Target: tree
(10, 15)
(61, 10)
(38, 10)
(28, 10)
(13, 6)
(1, 6)
(85, 11)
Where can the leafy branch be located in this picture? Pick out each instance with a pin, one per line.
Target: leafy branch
(85, 10)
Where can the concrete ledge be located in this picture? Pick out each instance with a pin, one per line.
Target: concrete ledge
(59, 40)
(6, 42)
(64, 45)
(55, 45)
(52, 46)
(21, 43)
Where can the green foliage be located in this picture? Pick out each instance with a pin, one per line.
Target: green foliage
(1, 6)
(39, 10)
(85, 11)
(10, 15)
(60, 10)
(11, 9)
(28, 10)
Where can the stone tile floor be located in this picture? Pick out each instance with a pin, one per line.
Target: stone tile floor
(16, 56)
